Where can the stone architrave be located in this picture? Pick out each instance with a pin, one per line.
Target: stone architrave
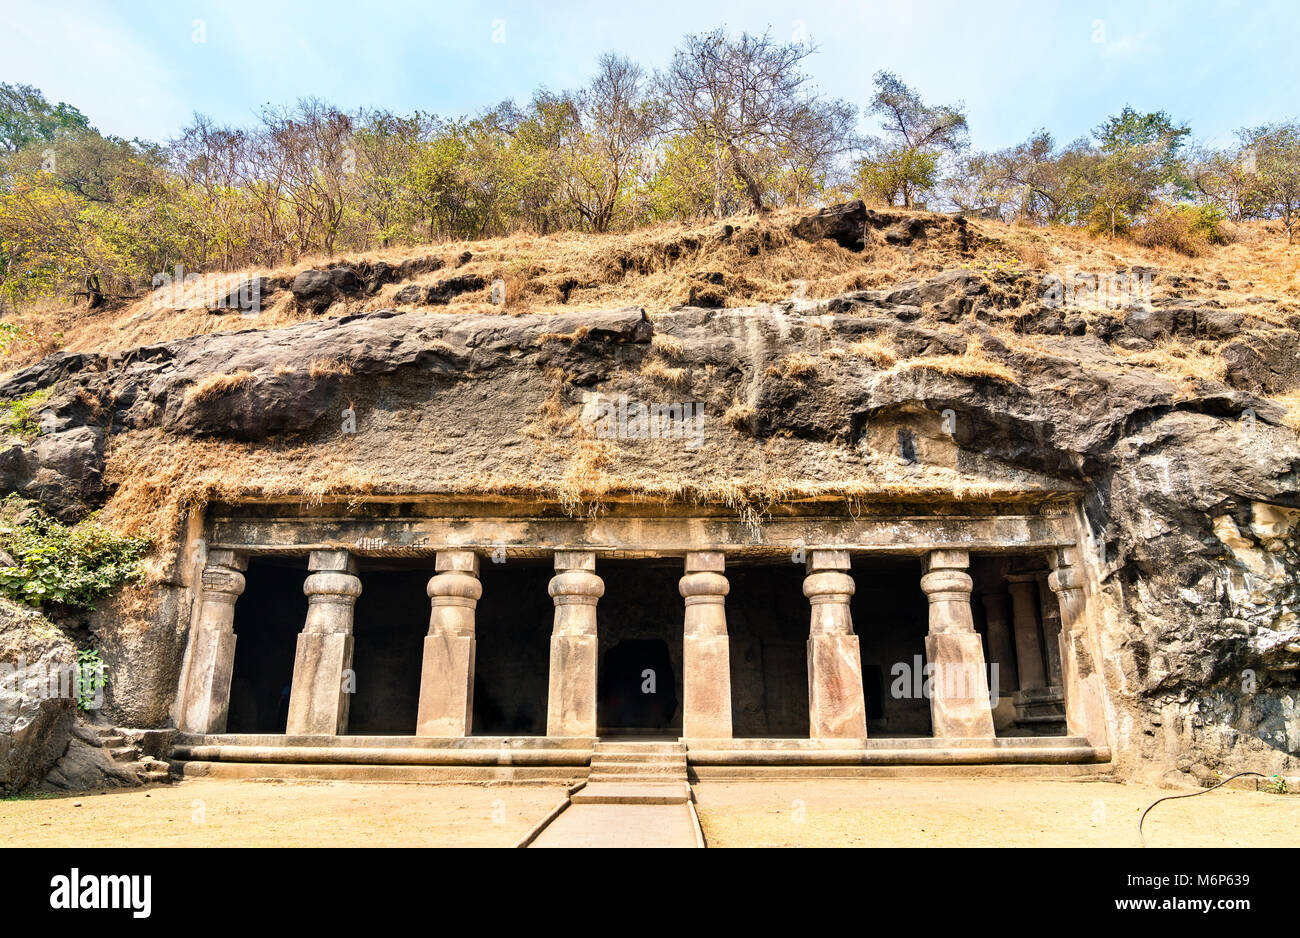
(447, 673)
(959, 693)
(706, 654)
(836, 706)
(571, 698)
(205, 701)
(1085, 701)
(319, 695)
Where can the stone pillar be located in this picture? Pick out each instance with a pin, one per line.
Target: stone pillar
(571, 700)
(959, 692)
(318, 699)
(1050, 616)
(205, 699)
(1085, 701)
(447, 673)
(836, 706)
(1001, 647)
(706, 653)
(1029, 655)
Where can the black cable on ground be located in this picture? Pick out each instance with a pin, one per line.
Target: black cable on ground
(1190, 794)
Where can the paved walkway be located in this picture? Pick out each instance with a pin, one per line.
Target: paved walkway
(620, 825)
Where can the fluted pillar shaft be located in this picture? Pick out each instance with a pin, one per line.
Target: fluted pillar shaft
(571, 698)
(836, 706)
(447, 672)
(1001, 646)
(321, 689)
(706, 653)
(205, 698)
(1050, 616)
(1023, 588)
(959, 692)
(1085, 707)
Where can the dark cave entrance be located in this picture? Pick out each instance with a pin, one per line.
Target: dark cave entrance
(891, 616)
(767, 621)
(268, 617)
(390, 622)
(639, 676)
(512, 647)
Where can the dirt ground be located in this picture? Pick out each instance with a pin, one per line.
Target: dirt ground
(821, 813)
(986, 813)
(217, 813)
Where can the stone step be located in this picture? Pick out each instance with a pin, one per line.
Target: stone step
(626, 747)
(110, 740)
(667, 758)
(625, 793)
(635, 781)
(124, 753)
(637, 768)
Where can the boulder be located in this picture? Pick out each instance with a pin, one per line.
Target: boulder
(447, 290)
(845, 224)
(37, 712)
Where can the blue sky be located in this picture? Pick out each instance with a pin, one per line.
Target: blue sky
(136, 69)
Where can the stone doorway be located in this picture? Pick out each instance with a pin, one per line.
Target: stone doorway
(268, 617)
(639, 677)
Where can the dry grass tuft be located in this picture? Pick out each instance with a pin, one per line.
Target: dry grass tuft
(739, 415)
(656, 370)
(214, 386)
(568, 338)
(972, 363)
(1177, 359)
(668, 345)
(329, 367)
(1290, 402)
(797, 366)
(874, 350)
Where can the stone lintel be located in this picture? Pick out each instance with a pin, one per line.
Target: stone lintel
(456, 561)
(234, 559)
(331, 561)
(945, 560)
(575, 560)
(825, 559)
(706, 561)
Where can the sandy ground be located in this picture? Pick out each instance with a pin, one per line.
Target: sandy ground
(217, 813)
(839, 813)
(986, 813)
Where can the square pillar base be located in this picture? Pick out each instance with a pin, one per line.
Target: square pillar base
(446, 686)
(706, 685)
(207, 701)
(318, 705)
(836, 706)
(959, 686)
(571, 699)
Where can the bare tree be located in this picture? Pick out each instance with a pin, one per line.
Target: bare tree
(739, 97)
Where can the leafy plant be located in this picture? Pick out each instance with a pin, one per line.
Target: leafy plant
(1276, 785)
(90, 678)
(70, 564)
(19, 415)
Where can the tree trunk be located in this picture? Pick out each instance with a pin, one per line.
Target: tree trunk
(751, 187)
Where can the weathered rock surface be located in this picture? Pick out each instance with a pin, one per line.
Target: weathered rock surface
(35, 722)
(1193, 486)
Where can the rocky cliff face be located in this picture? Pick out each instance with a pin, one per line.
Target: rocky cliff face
(1190, 484)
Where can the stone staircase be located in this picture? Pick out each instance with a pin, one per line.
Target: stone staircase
(128, 756)
(636, 773)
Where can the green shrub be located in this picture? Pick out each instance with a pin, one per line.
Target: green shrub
(1187, 229)
(19, 416)
(57, 563)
